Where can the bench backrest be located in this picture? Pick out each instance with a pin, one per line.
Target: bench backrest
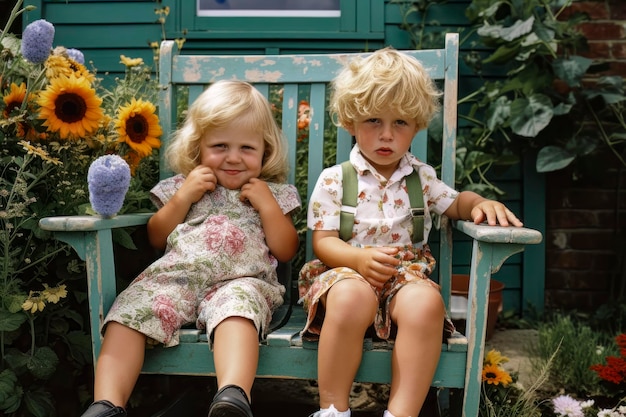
(306, 77)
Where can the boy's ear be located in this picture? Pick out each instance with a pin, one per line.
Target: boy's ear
(350, 129)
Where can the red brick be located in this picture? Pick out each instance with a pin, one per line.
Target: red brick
(595, 10)
(617, 9)
(602, 30)
(571, 219)
(569, 259)
(618, 50)
(598, 50)
(596, 240)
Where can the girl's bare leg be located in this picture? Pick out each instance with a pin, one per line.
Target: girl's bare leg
(418, 311)
(236, 353)
(119, 364)
(350, 309)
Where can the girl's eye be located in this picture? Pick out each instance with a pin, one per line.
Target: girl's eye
(372, 120)
(401, 122)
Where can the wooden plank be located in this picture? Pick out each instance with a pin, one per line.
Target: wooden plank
(199, 68)
(101, 12)
(110, 37)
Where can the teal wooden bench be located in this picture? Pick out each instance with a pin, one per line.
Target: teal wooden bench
(283, 354)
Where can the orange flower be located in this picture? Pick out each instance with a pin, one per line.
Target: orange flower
(495, 375)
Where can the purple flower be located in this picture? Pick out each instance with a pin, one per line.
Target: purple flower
(37, 41)
(108, 179)
(76, 55)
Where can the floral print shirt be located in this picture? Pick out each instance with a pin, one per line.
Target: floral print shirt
(382, 216)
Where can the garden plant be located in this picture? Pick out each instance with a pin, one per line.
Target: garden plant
(56, 118)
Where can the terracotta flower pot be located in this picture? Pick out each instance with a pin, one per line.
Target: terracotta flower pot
(460, 286)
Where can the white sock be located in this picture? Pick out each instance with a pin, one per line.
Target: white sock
(332, 411)
(388, 414)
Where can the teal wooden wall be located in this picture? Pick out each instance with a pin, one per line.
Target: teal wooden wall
(105, 29)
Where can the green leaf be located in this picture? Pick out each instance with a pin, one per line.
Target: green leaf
(123, 238)
(43, 364)
(503, 54)
(498, 113)
(531, 115)
(553, 158)
(572, 69)
(39, 403)
(10, 392)
(11, 321)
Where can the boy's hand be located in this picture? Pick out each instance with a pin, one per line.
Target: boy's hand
(377, 265)
(494, 213)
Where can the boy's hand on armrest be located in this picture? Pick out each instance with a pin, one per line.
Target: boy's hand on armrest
(494, 212)
(470, 206)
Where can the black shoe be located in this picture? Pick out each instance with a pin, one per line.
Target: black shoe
(104, 408)
(230, 401)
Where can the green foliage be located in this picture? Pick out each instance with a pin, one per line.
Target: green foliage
(574, 347)
(533, 94)
(43, 172)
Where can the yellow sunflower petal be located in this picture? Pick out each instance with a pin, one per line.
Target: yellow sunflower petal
(138, 126)
(70, 106)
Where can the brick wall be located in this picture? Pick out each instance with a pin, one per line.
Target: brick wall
(586, 219)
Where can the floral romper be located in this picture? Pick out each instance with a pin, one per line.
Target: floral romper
(381, 219)
(216, 265)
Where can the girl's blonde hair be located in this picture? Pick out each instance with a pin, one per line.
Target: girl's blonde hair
(385, 80)
(220, 105)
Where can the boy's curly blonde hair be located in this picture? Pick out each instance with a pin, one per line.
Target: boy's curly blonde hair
(224, 103)
(383, 81)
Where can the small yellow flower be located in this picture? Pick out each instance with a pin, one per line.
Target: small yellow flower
(35, 302)
(130, 62)
(495, 375)
(494, 357)
(53, 295)
(40, 152)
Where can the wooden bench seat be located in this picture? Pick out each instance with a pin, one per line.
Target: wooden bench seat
(284, 354)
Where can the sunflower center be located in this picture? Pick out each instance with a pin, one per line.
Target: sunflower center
(137, 128)
(70, 107)
(12, 106)
(490, 375)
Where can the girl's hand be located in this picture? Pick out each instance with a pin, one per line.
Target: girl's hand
(199, 181)
(258, 194)
(377, 265)
(494, 213)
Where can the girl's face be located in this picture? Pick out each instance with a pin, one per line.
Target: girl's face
(384, 139)
(235, 154)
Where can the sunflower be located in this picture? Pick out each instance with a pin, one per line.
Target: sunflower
(138, 126)
(70, 106)
(495, 375)
(58, 65)
(494, 357)
(14, 99)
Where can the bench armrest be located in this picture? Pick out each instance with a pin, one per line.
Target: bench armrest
(92, 223)
(499, 234)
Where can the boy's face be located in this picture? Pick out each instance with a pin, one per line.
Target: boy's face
(384, 139)
(235, 154)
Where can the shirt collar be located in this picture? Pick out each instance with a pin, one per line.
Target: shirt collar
(406, 166)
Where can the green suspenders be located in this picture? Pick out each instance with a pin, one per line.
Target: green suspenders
(350, 190)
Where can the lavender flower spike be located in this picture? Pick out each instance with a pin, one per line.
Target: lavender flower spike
(37, 41)
(108, 179)
(76, 55)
